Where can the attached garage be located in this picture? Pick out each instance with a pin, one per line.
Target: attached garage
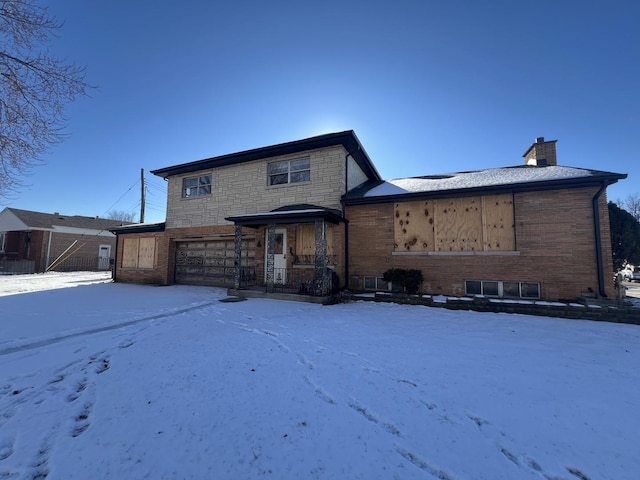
(211, 261)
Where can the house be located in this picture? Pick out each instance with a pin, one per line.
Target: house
(36, 242)
(313, 216)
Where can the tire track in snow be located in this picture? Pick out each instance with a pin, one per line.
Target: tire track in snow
(92, 331)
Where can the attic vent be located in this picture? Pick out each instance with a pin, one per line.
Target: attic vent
(435, 177)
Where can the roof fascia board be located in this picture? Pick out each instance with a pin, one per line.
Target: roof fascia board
(139, 228)
(293, 217)
(347, 139)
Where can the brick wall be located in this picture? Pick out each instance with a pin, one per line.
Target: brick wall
(159, 275)
(163, 271)
(555, 245)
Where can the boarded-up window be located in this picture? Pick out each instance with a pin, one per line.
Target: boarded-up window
(458, 224)
(130, 253)
(139, 252)
(306, 242)
(147, 253)
(498, 222)
(465, 224)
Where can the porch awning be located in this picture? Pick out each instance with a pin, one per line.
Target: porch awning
(288, 215)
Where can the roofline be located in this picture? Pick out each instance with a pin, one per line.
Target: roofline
(607, 179)
(139, 228)
(288, 217)
(347, 139)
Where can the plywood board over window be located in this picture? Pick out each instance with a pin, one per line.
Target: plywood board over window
(498, 222)
(458, 224)
(139, 252)
(306, 240)
(130, 253)
(466, 224)
(147, 253)
(413, 226)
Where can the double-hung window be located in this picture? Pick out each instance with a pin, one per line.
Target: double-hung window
(196, 186)
(289, 171)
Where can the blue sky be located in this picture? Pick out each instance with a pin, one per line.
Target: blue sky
(428, 86)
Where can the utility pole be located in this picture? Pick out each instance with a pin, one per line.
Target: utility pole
(142, 195)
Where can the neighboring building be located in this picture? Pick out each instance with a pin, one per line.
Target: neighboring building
(36, 242)
(314, 215)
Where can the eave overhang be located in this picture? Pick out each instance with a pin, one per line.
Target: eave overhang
(360, 198)
(139, 228)
(347, 139)
(256, 220)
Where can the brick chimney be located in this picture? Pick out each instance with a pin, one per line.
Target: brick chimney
(541, 153)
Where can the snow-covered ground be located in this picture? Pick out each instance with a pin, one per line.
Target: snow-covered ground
(106, 381)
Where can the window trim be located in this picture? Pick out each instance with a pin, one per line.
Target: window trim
(197, 187)
(289, 172)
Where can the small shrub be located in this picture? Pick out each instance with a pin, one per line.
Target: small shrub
(410, 279)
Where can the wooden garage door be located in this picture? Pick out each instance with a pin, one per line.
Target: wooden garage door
(209, 262)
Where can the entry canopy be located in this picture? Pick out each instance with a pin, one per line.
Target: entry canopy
(289, 214)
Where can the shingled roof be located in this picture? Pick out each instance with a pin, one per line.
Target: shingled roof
(48, 221)
(493, 180)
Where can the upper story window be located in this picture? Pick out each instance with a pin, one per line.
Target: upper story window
(289, 171)
(196, 186)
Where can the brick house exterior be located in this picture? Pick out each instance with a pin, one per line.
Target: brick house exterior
(314, 215)
(33, 242)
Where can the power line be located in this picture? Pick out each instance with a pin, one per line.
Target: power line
(120, 198)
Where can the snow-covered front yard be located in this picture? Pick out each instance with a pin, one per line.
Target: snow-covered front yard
(115, 381)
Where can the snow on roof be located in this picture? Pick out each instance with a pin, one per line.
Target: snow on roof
(477, 179)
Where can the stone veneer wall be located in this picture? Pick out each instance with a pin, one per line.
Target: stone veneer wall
(242, 188)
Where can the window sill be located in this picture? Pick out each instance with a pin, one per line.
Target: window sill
(193, 197)
(294, 184)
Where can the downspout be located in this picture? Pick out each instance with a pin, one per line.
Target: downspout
(346, 223)
(598, 239)
(114, 268)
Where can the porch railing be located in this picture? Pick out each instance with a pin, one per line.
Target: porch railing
(248, 277)
(302, 281)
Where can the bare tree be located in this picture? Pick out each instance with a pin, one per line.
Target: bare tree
(35, 86)
(632, 205)
(121, 215)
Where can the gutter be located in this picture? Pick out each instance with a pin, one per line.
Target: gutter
(598, 239)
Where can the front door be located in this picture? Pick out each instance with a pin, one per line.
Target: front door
(279, 256)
